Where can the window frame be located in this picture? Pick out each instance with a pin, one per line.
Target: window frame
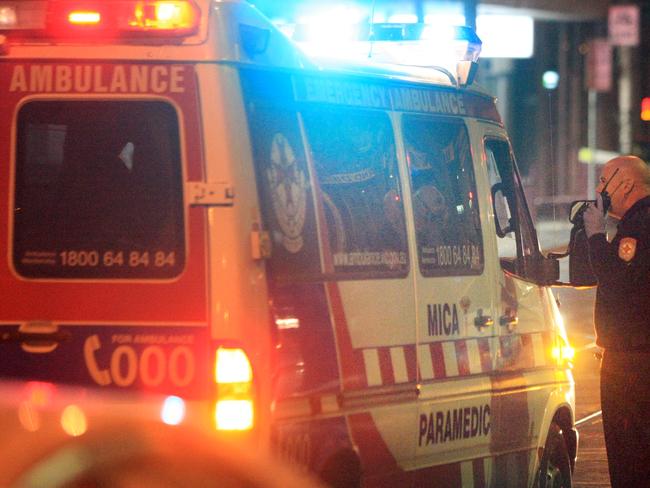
(524, 263)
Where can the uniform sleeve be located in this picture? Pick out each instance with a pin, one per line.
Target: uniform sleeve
(602, 256)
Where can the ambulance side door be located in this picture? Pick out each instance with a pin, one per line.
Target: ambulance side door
(351, 153)
(454, 283)
(340, 275)
(523, 372)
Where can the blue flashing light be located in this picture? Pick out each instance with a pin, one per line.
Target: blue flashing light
(173, 410)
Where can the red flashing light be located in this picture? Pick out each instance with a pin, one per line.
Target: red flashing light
(645, 108)
(123, 18)
(163, 15)
(84, 18)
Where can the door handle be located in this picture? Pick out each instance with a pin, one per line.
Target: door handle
(36, 337)
(481, 320)
(509, 320)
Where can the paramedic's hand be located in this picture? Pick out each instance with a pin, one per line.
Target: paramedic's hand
(594, 218)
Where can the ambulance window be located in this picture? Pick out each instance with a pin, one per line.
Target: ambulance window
(354, 160)
(285, 190)
(98, 190)
(511, 211)
(445, 207)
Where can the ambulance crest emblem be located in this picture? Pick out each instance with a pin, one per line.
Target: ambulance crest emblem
(288, 185)
(627, 249)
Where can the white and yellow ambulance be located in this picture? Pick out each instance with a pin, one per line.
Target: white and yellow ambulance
(339, 262)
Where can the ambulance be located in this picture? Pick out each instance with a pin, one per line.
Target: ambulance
(333, 262)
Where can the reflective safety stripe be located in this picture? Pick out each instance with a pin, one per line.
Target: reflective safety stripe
(476, 473)
(467, 473)
(473, 354)
(396, 364)
(373, 371)
(398, 358)
(450, 358)
(389, 365)
(426, 361)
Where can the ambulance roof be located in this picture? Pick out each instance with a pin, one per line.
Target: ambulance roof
(414, 74)
(282, 52)
(227, 31)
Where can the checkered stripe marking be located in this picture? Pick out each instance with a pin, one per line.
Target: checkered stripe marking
(396, 364)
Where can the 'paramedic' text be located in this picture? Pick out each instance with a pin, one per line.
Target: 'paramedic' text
(455, 424)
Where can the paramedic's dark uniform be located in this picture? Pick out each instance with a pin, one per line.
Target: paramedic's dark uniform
(622, 320)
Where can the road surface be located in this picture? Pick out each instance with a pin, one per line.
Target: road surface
(577, 309)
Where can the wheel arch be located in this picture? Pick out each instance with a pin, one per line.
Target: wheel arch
(561, 412)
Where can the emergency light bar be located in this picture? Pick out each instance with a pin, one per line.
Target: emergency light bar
(454, 50)
(437, 38)
(100, 18)
(459, 34)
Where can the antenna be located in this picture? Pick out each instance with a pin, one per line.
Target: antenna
(553, 156)
(371, 31)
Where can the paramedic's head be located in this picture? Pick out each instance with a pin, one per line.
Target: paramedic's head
(625, 180)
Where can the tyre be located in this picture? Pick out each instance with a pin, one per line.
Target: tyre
(343, 470)
(555, 467)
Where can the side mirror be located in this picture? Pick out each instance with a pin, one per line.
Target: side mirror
(580, 273)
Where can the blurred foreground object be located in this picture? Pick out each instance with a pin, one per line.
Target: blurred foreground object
(67, 437)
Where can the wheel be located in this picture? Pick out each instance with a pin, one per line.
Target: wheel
(343, 470)
(555, 467)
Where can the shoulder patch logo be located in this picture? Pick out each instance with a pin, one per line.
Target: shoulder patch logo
(627, 249)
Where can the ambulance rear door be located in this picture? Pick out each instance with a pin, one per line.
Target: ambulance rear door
(104, 277)
(455, 279)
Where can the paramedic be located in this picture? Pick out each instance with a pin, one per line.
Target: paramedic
(622, 316)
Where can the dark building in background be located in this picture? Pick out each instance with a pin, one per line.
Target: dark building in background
(549, 126)
(642, 133)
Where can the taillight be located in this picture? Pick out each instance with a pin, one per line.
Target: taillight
(235, 407)
(124, 17)
(174, 15)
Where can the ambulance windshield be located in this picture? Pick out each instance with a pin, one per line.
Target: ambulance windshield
(98, 190)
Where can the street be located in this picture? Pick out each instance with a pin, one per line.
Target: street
(577, 309)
